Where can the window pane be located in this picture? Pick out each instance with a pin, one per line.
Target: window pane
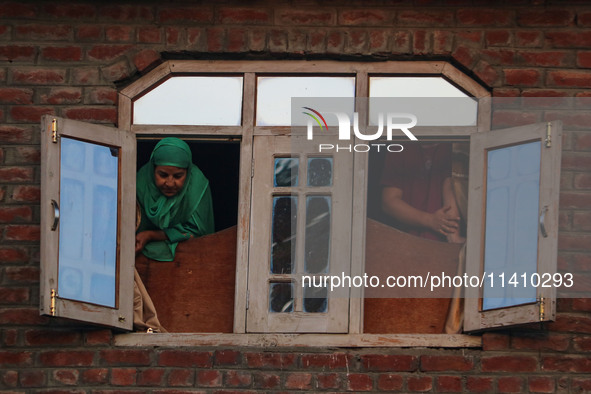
(215, 101)
(320, 171)
(286, 172)
(274, 95)
(315, 299)
(433, 100)
(317, 233)
(281, 297)
(88, 222)
(283, 243)
(511, 238)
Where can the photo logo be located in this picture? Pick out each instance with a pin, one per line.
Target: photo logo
(392, 122)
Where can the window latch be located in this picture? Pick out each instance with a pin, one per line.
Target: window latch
(542, 305)
(548, 139)
(54, 131)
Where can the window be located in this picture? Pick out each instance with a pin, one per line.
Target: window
(297, 210)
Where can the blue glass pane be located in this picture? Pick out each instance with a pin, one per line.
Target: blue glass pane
(88, 222)
(315, 299)
(286, 172)
(512, 209)
(283, 234)
(281, 297)
(317, 233)
(320, 171)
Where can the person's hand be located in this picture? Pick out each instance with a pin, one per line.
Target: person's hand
(141, 239)
(444, 222)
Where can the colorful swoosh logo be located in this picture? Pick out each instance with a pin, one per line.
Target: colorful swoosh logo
(315, 118)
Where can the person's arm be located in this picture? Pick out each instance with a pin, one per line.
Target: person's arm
(143, 237)
(441, 221)
(449, 200)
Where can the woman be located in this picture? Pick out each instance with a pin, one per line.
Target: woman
(175, 204)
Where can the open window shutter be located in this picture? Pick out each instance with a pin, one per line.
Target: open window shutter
(87, 222)
(513, 225)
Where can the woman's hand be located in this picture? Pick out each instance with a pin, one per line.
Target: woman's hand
(143, 237)
(444, 222)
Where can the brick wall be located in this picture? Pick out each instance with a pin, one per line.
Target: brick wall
(68, 58)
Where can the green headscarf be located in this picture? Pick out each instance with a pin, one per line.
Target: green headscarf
(190, 209)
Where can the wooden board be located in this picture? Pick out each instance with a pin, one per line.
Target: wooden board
(195, 292)
(393, 252)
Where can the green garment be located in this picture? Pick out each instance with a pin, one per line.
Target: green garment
(185, 215)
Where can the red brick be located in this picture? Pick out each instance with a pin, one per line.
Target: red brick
(68, 377)
(522, 77)
(151, 377)
(366, 17)
(118, 71)
(18, 10)
(67, 358)
(335, 42)
(378, 41)
(123, 376)
(509, 364)
(446, 363)
(90, 114)
(122, 357)
(546, 58)
(582, 344)
(484, 17)
(9, 378)
(442, 42)
(487, 73)
(270, 360)
(146, 59)
(16, 174)
(85, 76)
(359, 382)
(424, 17)
(22, 233)
(328, 381)
(510, 384)
(465, 55)
(39, 76)
(62, 54)
(12, 134)
(541, 385)
(326, 361)
(237, 38)
(498, 38)
(227, 357)
(304, 17)
(574, 242)
(215, 39)
(182, 377)
(32, 378)
(13, 255)
(119, 33)
(237, 379)
(25, 194)
(264, 380)
(49, 32)
(89, 32)
(126, 13)
(379, 362)
(390, 382)
(422, 384)
(449, 384)
(529, 39)
(545, 18)
(575, 200)
(60, 96)
(582, 221)
(185, 358)
(542, 341)
(567, 364)
(24, 155)
(479, 384)
(15, 359)
(14, 295)
(577, 79)
(209, 378)
(98, 337)
(200, 14)
(581, 385)
(107, 52)
(12, 214)
(41, 337)
(149, 35)
(17, 53)
(504, 119)
(400, 42)
(70, 11)
(568, 39)
(172, 36)
(95, 375)
(243, 16)
(421, 42)
(30, 114)
(472, 38)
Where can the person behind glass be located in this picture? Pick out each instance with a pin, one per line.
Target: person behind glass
(174, 202)
(417, 192)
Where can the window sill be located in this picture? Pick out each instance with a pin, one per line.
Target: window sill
(299, 340)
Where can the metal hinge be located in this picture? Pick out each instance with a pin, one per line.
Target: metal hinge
(54, 131)
(52, 302)
(548, 140)
(542, 306)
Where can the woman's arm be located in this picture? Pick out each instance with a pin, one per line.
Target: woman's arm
(449, 200)
(143, 237)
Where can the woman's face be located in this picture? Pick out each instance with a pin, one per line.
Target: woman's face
(169, 180)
